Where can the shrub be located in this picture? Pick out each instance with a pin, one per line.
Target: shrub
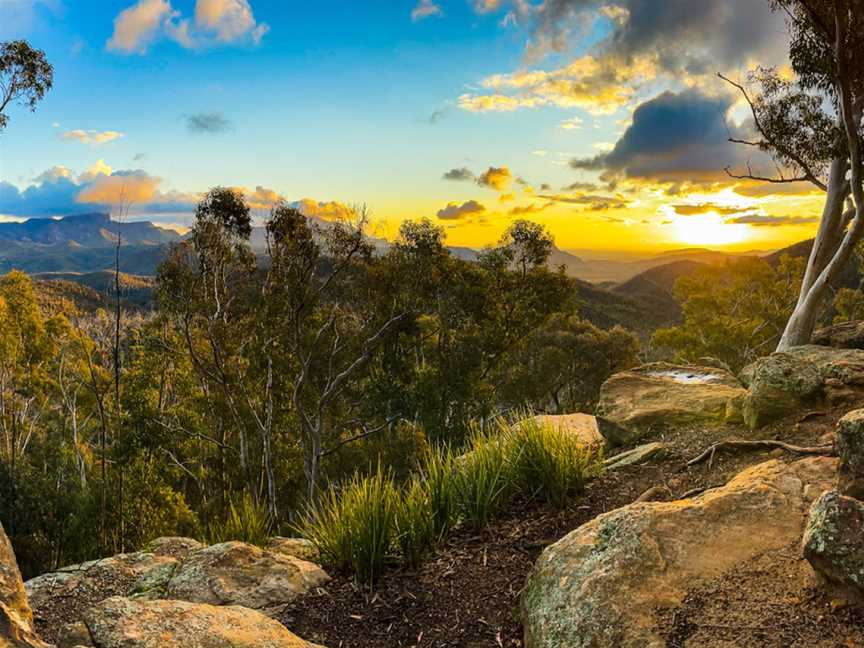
(246, 521)
(353, 526)
(485, 477)
(550, 463)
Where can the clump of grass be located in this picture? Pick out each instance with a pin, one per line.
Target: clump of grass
(485, 477)
(415, 525)
(438, 475)
(353, 526)
(551, 463)
(245, 521)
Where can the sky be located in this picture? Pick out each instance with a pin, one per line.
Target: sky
(603, 120)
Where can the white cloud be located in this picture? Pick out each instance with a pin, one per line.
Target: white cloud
(425, 9)
(91, 137)
(574, 123)
(216, 22)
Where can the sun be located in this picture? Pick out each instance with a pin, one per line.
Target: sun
(708, 229)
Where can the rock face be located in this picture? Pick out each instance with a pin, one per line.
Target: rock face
(600, 586)
(784, 382)
(235, 573)
(849, 335)
(16, 619)
(834, 542)
(173, 546)
(660, 394)
(126, 623)
(850, 447)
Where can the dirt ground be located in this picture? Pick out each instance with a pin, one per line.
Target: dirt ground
(467, 594)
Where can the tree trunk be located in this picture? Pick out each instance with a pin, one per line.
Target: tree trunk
(826, 247)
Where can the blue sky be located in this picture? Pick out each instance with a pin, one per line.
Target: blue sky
(359, 101)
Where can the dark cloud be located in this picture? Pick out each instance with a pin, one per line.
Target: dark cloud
(460, 175)
(52, 196)
(455, 211)
(210, 123)
(674, 138)
(759, 220)
(694, 36)
(529, 209)
(707, 208)
(576, 186)
(497, 178)
(591, 202)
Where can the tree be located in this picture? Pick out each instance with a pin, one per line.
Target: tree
(734, 313)
(25, 76)
(812, 129)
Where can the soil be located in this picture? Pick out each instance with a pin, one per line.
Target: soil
(468, 593)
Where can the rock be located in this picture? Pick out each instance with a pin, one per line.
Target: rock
(236, 573)
(660, 395)
(635, 456)
(834, 542)
(583, 426)
(601, 585)
(850, 447)
(173, 546)
(16, 618)
(297, 547)
(849, 335)
(120, 622)
(778, 385)
(784, 382)
(124, 574)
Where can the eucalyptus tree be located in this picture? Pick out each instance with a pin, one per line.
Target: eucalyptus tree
(811, 127)
(25, 76)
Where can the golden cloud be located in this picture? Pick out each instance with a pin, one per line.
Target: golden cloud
(135, 187)
(598, 86)
(91, 136)
(497, 178)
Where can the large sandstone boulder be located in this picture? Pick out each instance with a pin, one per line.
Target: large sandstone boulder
(785, 382)
(127, 623)
(659, 395)
(834, 542)
(236, 573)
(297, 547)
(173, 546)
(849, 335)
(16, 619)
(600, 586)
(850, 447)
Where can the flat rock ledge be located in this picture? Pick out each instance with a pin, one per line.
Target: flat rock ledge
(660, 395)
(601, 585)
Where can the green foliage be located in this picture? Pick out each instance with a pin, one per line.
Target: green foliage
(551, 464)
(438, 475)
(734, 313)
(415, 530)
(245, 521)
(25, 76)
(486, 478)
(353, 525)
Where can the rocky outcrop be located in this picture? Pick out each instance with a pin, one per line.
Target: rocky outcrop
(660, 395)
(173, 546)
(850, 447)
(601, 585)
(784, 382)
(141, 573)
(834, 543)
(235, 573)
(849, 335)
(127, 623)
(16, 619)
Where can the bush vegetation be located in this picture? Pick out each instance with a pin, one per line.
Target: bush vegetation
(368, 521)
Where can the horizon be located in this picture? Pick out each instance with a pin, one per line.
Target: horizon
(608, 128)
